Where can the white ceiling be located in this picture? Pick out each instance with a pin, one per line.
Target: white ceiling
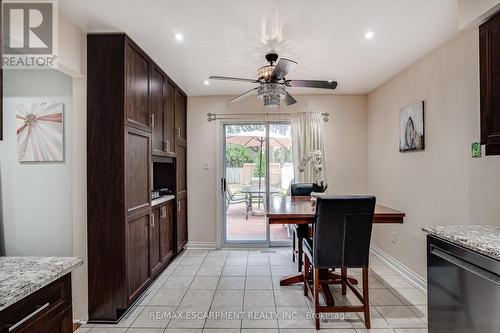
(231, 37)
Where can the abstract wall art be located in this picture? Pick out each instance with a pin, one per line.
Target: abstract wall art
(40, 132)
(411, 128)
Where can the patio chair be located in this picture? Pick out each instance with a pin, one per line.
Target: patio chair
(237, 198)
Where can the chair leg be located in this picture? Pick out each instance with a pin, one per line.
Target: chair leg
(293, 246)
(366, 300)
(343, 278)
(300, 254)
(306, 275)
(316, 297)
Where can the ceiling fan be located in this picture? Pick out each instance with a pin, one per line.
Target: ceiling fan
(273, 83)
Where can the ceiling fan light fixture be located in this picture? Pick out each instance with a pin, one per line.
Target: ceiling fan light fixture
(271, 94)
(265, 72)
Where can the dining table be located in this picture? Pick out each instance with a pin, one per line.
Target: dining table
(286, 210)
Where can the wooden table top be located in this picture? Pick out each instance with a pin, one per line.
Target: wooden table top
(299, 210)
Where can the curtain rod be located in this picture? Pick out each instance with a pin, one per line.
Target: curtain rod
(235, 116)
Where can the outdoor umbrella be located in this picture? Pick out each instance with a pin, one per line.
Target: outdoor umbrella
(258, 139)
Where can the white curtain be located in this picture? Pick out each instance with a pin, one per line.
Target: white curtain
(307, 136)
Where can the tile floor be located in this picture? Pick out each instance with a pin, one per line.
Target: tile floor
(200, 286)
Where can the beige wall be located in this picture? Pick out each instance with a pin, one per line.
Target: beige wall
(443, 184)
(345, 144)
(473, 12)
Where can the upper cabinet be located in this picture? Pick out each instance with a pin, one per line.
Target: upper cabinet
(157, 107)
(137, 72)
(489, 34)
(169, 117)
(180, 118)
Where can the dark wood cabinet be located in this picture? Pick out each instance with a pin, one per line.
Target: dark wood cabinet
(137, 72)
(489, 34)
(169, 118)
(166, 229)
(157, 105)
(181, 221)
(138, 268)
(132, 107)
(154, 241)
(180, 118)
(46, 310)
(137, 171)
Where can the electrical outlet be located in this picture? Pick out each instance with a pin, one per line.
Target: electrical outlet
(205, 165)
(394, 236)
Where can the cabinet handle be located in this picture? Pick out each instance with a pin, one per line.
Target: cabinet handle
(178, 132)
(28, 317)
(163, 212)
(153, 120)
(153, 220)
(178, 206)
(168, 146)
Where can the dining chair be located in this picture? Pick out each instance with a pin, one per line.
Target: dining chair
(237, 198)
(342, 232)
(299, 231)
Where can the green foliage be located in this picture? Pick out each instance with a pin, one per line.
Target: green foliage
(237, 155)
(288, 155)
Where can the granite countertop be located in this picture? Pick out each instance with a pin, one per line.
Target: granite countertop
(22, 276)
(484, 239)
(156, 202)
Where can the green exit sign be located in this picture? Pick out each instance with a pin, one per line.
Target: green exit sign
(476, 150)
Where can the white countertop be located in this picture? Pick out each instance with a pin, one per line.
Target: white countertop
(484, 239)
(22, 276)
(156, 202)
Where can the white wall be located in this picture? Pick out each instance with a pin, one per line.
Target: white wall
(471, 13)
(37, 197)
(345, 136)
(443, 184)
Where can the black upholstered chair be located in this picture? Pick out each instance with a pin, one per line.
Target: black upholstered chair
(342, 232)
(299, 232)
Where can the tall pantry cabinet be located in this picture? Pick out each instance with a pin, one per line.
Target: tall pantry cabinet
(134, 111)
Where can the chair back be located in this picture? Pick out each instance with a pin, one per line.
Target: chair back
(342, 231)
(301, 189)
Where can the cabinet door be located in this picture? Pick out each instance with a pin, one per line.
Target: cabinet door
(137, 171)
(138, 272)
(166, 233)
(180, 117)
(181, 169)
(156, 104)
(169, 117)
(154, 241)
(490, 85)
(137, 72)
(181, 225)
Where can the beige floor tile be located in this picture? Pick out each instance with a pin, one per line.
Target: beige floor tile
(204, 282)
(178, 282)
(259, 282)
(168, 297)
(154, 317)
(232, 282)
(258, 261)
(400, 317)
(198, 299)
(260, 317)
(209, 270)
(282, 270)
(376, 319)
(410, 296)
(234, 270)
(383, 297)
(228, 298)
(259, 270)
(395, 282)
(289, 298)
(186, 270)
(256, 298)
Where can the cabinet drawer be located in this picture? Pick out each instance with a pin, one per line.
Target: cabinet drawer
(47, 306)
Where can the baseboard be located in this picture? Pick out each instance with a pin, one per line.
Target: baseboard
(201, 246)
(413, 278)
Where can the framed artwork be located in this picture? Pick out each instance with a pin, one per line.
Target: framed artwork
(40, 132)
(411, 128)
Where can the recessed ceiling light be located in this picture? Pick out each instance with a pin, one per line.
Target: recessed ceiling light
(369, 34)
(206, 82)
(179, 36)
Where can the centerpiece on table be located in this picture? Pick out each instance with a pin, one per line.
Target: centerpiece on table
(319, 186)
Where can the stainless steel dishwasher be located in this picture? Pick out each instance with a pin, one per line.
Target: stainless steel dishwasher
(463, 289)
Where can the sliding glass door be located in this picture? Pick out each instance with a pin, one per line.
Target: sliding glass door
(257, 166)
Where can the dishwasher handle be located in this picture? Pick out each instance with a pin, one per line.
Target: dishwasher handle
(493, 278)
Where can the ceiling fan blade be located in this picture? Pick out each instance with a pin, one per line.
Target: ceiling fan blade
(312, 84)
(244, 95)
(289, 100)
(227, 78)
(283, 67)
